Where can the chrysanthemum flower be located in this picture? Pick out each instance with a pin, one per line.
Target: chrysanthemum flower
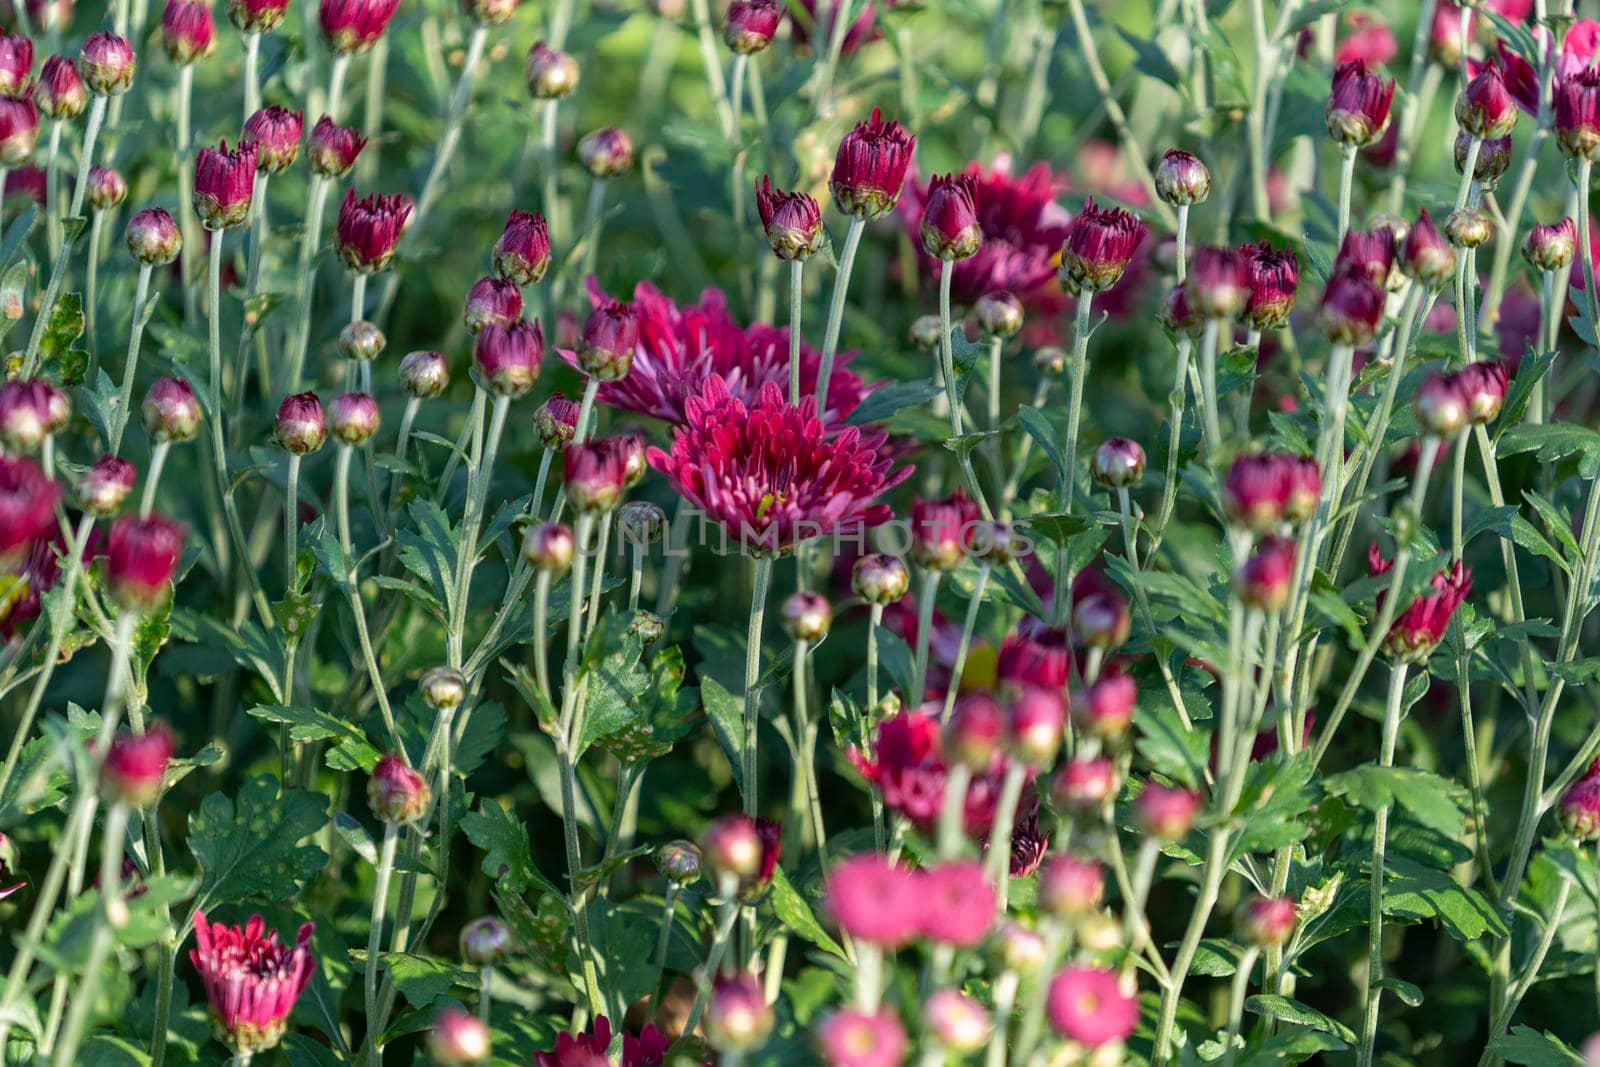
(874, 900)
(646, 1049)
(370, 227)
(862, 1039)
(1417, 630)
(354, 25)
(252, 981)
(1087, 1005)
(958, 903)
(908, 770)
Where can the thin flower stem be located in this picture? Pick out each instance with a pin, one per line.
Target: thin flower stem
(669, 905)
(952, 811)
(485, 997)
(841, 292)
(305, 289)
(874, 620)
(1347, 171)
(1181, 244)
(1380, 837)
(549, 124)
(1077, 372)
(477, 491)
(1005, 1000)
(541, 614)
(962, 647)
(1457, 480)
(796, 300)
(91, 287)
(291, 526)
(1175, 407)
(1209, 340)
(597, 583)
(252, 77)
(350, 581)
(1530, 972)
(727, 915)
(152, 477)
(761, 579)
(188, 226)
(52, 192)
(380, 902)
(1414, 102)
(999, 855)
(712, 61)
(1236, 994)
(996, 344)
(113, 915)
(926, 598)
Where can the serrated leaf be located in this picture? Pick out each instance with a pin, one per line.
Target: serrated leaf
(1174, 751)
(355, 835)
(1528, 1046)
(1435, 802)
(350, 749)
(883, 403)
(421, 979)
(1284, 1009)
(1417, 891)
(793, 911)
(504, 842)
(1043, 434)
(1552, 442)
(251, 847)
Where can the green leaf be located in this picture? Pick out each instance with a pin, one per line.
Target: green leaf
(1043, 434)
(1179, 753)
(252, 847)
(355, 835)
(726, 712)
(542, 933)
(429, 551)
(1526, 1045)
(793, 911)
(1553, 442)
(1283, 1009)
(60, 358)
(16, 236)
(1276, 798)
(422, 979)
(504, 842)
(1058, 528)
(668, 713)
(1418, 891)
(350, 749)
(1151, 60)
(1508, 522)
(883, 403)
(896, 660)
(1410, 995)
(1435, 802)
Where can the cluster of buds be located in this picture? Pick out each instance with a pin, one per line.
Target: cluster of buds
(1262, 491)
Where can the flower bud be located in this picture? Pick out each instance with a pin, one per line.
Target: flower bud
(187, 30)
(594, 475)
(369, 229)
(995, 542)
(171, 412)
(489, 12)
(1351, 309)
(300, 428)
(556, 421)
(1049, 361)
(107, 63)
(141, 559)
(1467, 228)
(508, 357)
(550, 75)
(355, 418)
(1181, 179)
(485, 941)
(926, 333)
(606, 153)
(1165, 812)
(1426, 256)
(1085, 785)
(60, 92)
(135, 768)
(1218, 286)
(640, 522)
(1100, 244)
(396, 793)
(679, 862)
(224, 183)
(1274, 278)
(949, 226)
(869, 170)
(738, 1017)
(1262, 581)
(732, 848)
(606, 346)
(1577, 112)
(257, 16)
(1070, 887)
(1038, 718)
(351, 26)
(1099, 936)
(1484, 385)
(647, 626)
(1105, 708)
(807, 616)
(879, 578)
(1266, 922)
(1358, 105)
(1441, 405)
(1100, 620)
(1494, 159)
(459, 1039)
(153, 237)
(442, 688)
(1551, 248)
(16, 63)
(1118, 463)
(276, 132)
(25, 415)
(999, 314)
(750, 25)
(1579, 810)
(424, 374)
(1485, 108)
(107, 188)
(19, 131)
(492, 302)
(956, 1021)
(361, 341)
(549, 546)
(973, 736)
(104, 486)
(522, 254)
(1021, 949)
(333, 149)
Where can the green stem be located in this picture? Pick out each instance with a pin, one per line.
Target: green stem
(112, 916)
(305, 289)
(727, 915)
(761, 579)
(380, 902)
(1078, 371)
(1236, 994)
(350, 581)
(1380, 837)
(927, 595)
(796, 299)
(967, 626)
(291, 526)
(252, 78)
(841, 289)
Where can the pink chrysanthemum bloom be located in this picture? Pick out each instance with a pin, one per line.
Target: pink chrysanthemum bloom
(522, 254)
(646, 1049)
(1358, 105)
(370, 227)
(862, 1039)
(958, 903)
(1029, 842)
(1022, 227)
(874, 900)
(224, 183)
(16, 63)
(187, 30)
(354, 25)
(1370, 41)
(27, 505)
(1100, 244)
(1485, 107)
(680, 348)
(941, 530)
(1274, 276)
(1577, 119)
(870, 168)
(252, 981)
(1520, 77)
(791, 221)
(1417, 630)
(141, 559)
(769, 472)
(908, 770)
(276, 132)
(1087, 1005)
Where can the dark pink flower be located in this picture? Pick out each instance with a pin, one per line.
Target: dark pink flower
(791, 221)
(608, 341)
(508, 357)
(492, 302)
(224, 183)
(856, 1038)
(1425, 255)
(1484, 385)
(187, 30)
(1551, 247)
(874, 900)
(354, 25)
(19, 130)
(1071, 886)
(870, 168)
(1520, 77)
(1266, 922)
(396, 793)
(522, 254)
(556, 421)
(909, 772)
(105, 485)
(1577, 118)
(1370, 41)
(142, 558)
(941, 530)
(61, 93)
(606, 152)
(647, 1049)
(334, 149)
(370, 227)
(135, 767)
(680, 348)
(257, 16)
(1352, 306)
(26, 415)
(1086, 785)
(1087, 1005)
(1257, 492)
(107, 63)
(595, 475)
(1181, 178)
(949, 225)
(1262, 581)
(1485, 107)
(1034, 654)
(1029, 842)
(957, 903)
(1099, 245)
(1358, 105)
(27, 505)
(1023, 229)
(16, 63)
(276, 132)
(751, 24)
(1579, 809)
(770, 473)
(1418, 629)
(105, 188)
(1218, 284)
(1366, 254)
(1105, 708)
(300, 428)
(252, 981)
(1274, 277)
